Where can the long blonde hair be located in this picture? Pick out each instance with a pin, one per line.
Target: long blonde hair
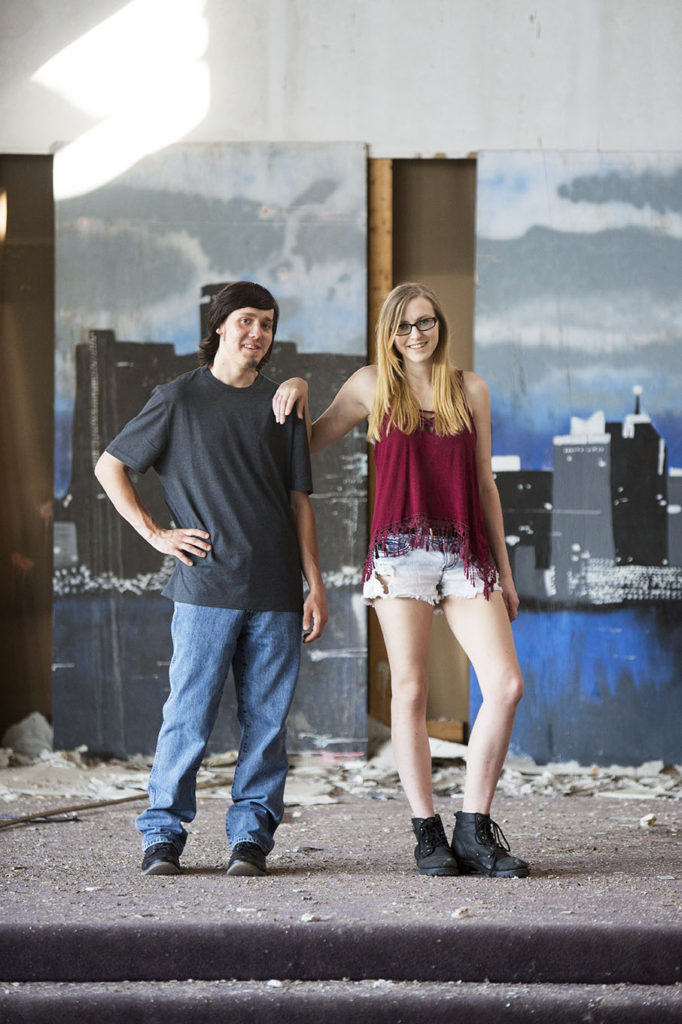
(393, 394)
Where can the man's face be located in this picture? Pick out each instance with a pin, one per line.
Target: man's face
(246, 336)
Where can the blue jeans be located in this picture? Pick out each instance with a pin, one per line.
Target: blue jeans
(264, 649)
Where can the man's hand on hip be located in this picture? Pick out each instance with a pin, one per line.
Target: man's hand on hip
(181, 543)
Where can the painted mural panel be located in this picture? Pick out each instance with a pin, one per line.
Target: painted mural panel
(579, 334)
(138, 262)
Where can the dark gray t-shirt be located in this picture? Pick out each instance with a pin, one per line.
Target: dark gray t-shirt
(227, 467)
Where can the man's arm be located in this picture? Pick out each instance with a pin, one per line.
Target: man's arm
(315, 612)
(114, 477)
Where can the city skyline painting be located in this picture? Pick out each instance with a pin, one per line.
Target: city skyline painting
(578, 327)
(137, 263)
(578, 258)
(134, 256)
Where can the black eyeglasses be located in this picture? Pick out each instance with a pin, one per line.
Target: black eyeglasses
(423, 324)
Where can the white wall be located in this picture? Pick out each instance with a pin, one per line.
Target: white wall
(409, 78)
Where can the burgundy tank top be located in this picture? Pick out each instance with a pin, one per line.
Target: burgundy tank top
(427, 493)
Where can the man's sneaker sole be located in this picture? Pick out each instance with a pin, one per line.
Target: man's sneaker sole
(162, 867)
(245, 869)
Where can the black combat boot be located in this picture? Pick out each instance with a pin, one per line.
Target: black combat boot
(480, 846)
(432, 853)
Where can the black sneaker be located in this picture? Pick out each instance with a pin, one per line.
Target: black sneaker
(432, 852)
(481, 848)
(161, 859)
(247, 859)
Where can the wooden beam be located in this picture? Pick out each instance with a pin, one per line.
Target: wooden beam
(454, 732)
(379, 283)
(380, 231)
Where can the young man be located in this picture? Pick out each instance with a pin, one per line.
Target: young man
(237, 487)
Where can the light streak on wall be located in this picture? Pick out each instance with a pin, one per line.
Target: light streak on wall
(140, 75)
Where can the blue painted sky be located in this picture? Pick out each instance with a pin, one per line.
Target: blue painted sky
(134, 255)
(578, 261)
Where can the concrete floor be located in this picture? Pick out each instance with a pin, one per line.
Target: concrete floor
(352, 862)
(342, 911)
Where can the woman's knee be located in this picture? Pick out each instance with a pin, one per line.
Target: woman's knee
(504, 691)
(511, 690)
(409, 695)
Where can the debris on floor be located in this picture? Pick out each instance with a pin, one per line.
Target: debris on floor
(652, 779)
(28, 738)
(316, 780)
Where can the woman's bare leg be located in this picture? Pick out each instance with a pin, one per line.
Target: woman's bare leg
(484, 631)
(406, 627)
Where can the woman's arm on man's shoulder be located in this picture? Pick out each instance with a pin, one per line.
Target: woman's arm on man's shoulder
(351, 405)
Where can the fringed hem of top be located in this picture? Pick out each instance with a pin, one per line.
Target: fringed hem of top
(434, 535)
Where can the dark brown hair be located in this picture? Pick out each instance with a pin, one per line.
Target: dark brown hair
(237, 295)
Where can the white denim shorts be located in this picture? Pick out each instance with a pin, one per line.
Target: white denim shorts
(423, 575)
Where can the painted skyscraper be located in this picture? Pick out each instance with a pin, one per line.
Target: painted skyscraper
(604, 526)
(582, 525)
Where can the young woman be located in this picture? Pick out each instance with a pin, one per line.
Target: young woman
(437, 543)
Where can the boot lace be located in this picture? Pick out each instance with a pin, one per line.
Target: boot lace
(431, 835)
(489, 833)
